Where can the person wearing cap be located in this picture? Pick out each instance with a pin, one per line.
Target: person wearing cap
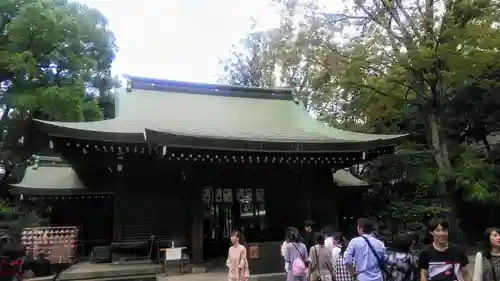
(309, 235)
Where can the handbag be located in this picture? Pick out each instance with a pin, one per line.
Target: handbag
(305, 261)
(381, 264)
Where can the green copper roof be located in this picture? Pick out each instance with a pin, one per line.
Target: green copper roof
(344, 177)
(177, 113)
(48, 175)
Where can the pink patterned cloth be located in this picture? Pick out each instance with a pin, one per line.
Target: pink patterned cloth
(57, 244)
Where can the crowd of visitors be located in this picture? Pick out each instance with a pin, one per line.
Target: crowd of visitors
(327, 256)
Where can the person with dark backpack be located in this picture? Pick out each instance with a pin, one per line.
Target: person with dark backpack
(402, 264)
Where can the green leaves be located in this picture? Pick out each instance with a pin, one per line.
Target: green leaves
(23, 62)
(476, 177)
(55, 61)
(402, 66)
(412, 163)
(16, 218)
(50, 47)
(252, 63)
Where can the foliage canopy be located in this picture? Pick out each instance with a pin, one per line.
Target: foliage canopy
(429, 68)
(55, 64)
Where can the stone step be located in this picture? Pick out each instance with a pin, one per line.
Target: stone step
(148, 277)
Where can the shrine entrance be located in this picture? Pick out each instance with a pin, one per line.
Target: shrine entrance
(230, 209)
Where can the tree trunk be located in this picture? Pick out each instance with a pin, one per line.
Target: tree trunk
(439, 146)
(446, 178)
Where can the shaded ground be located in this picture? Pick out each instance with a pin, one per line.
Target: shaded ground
(213, 276)
(222, 275)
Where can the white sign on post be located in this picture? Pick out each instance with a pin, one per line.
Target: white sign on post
(173, 254)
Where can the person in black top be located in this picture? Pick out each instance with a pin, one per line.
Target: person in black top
(442, 261)
(309, 235)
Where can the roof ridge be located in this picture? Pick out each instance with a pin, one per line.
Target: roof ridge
(132, 79)
(47, 161)
(162, 85)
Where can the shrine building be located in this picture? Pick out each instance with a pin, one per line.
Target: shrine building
(190, 162)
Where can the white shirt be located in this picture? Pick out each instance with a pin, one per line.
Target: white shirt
(329, 243)
(478, 268)
(335, 254)
(283, 248)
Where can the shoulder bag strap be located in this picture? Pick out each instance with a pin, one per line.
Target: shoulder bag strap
(330, 267)
(300, 253)
(317, 258)
(379, 260)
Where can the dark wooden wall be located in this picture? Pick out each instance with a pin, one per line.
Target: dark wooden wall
(91, 213)
(159, 205)
(292, 197)
(156, 198)
(155, 206)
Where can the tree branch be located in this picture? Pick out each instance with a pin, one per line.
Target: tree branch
(409, 19)
(374, 19)
(374, 89)
(408, 39)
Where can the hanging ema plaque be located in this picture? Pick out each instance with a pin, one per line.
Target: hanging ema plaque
(253, 252)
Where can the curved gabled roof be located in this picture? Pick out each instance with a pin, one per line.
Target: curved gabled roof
(49, 175)
(214, 116)
(344, 177)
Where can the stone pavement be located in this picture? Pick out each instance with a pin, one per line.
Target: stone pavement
(219, 276)
(213, 276)
(222, 276)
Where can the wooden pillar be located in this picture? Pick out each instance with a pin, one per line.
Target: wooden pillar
(197, 224)
(119, 186)
(306, 181)
(117, 233)
(324, 209)
(308, 196)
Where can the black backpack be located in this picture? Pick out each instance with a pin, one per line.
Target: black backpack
(11, 246)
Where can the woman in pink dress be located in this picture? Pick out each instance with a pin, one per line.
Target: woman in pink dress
(237, 262)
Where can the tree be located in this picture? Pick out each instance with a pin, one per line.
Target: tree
(55, 60)
(251, 63)
(286, 56)
(17, 218)
(413, 58)
(420, 49)
(402, 66)
(106, 98)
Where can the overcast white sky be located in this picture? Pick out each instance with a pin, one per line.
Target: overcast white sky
(180, 39)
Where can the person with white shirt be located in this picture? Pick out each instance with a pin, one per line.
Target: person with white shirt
(341, 273)
(329, 241)
(285, 242)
